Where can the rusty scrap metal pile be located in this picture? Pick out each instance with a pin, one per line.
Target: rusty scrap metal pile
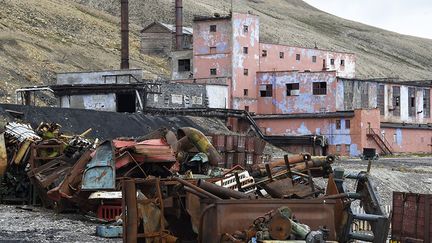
(167, 187)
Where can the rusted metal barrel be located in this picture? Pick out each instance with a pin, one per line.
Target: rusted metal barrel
(222, 192)
(200, 141)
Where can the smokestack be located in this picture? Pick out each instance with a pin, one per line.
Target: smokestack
(124, 34)
(179, 23)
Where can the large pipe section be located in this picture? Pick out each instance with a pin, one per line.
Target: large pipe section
(199, 190)
(222, 192)
(179, 24)
(124, 18)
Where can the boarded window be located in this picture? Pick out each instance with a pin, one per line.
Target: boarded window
(314, 59)
(319, 88)
(184, 65)
(338, 124)
(264, 53)
(213, 71)
(245, 92)
(396, 100)
(246, 72)
(342, 62)
(411, 102)
(266, 90)
(292, 89)
(281, 55)
(347, 124)
(245, 28)
(245, 50)
(212, 28)
(426, 103)
(380, 98)
(298, 57)
(332, 62)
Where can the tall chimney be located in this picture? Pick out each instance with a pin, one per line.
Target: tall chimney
(124, 34)
(179, 23)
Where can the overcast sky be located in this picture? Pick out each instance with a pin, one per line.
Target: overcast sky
(411, 17)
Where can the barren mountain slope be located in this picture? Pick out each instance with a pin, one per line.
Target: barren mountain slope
(41, 37)
(380, 53)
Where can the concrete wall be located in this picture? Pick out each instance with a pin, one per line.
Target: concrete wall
(97, 77)
(178, 95)
(305, 102)
(175, 57)
(217, 96)
(274, 62)
(101, 102)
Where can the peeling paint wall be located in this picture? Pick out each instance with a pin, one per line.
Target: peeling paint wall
(217, 96)
(305, 101)
(405, 140)
(285, 58)
(176, 73)
(179, 95)
(100, 102)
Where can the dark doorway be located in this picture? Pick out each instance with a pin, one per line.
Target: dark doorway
(126, 102)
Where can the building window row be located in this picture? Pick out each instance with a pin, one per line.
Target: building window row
(298, 57)
(293, 89)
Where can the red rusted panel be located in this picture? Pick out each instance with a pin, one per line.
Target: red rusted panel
(240, 159)
(229, 143)
(250, 144)
(240, 143)
(259, 145)
(258, 159)
(411, 217)
(219, 142)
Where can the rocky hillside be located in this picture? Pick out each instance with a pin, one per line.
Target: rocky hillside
(41, 37)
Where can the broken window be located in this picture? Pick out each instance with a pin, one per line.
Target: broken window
(266, 90)
(126, 102)
(212, 28)
(292, 89)
(264, 53)
(246, 72)
(213, 71)
(347, 124)
(298, 57)
(245, 28)
(319, 88)
(314, 59)
(338, 124)
(342, 62)
(281, 55)
(184, 65)
(332, 62)
(426, 103)
(212, 50)
(396, 100)
(245, 50)
(347, 148)
(411, 102)
(380, 98)
(245, 92)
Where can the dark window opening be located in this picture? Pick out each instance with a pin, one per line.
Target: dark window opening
(281, 55)
(412, 102)
(126, 102)
(338, 124)
(212, 28)
(245, 92)
(324, 64)
(332, 62)
(246, 72)
(212, 50)
(298, 57)
(396, 100)
(264, 53)
(184, 65)
(347, 124)
(292, 89)
(246, 108)
(245, 28)
(319, 88)
(245, 50)
(342, 62)
(426, 103)
(314, 59)
(266, 90)
(213, 71)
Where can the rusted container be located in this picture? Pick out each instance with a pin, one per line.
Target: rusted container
(239, 143)
(249, 158)
(250, 144)
(411, 218)
(229, 160)
(259, 145)
(240, 158)
(229, 143)
(219, 142)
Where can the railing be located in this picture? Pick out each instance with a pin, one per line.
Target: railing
(381, 141)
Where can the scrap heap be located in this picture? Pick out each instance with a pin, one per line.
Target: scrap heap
(169, 187)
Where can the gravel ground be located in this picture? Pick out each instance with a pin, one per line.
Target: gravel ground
(42, 225)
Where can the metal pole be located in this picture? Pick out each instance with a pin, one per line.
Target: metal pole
(130, 227)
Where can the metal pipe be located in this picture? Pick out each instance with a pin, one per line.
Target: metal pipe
(130, 215)
(190, 185)
(222, 192)
(124, 34)
(179, 24)
(188, 189)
